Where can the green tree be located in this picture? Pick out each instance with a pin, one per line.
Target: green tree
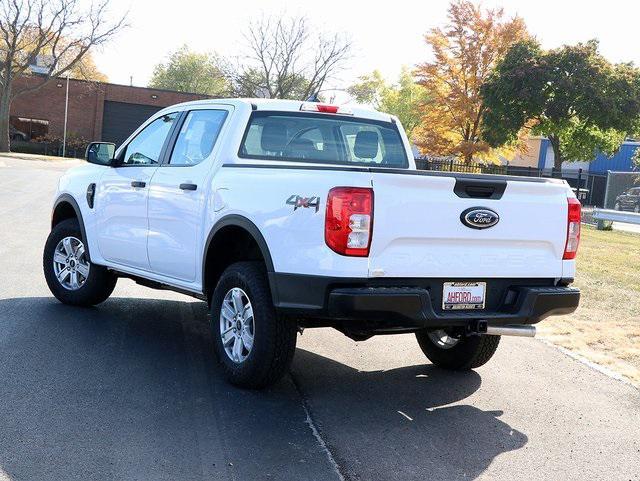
(572, 95)
(369, 89)
(404, 99)
(188, 71)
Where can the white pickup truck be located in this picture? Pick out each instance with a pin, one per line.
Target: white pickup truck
(285, 215)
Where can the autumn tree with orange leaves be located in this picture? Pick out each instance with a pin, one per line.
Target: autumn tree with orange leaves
(465, 53)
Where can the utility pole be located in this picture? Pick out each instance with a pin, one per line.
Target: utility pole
(66, 110)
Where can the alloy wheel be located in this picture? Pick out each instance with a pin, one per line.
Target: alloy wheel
(236, 325)
(70, 263)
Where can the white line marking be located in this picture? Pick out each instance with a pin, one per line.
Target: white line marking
(323, 445)
(405, 415)
(316, 433)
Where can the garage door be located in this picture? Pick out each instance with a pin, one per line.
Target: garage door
(120, 119)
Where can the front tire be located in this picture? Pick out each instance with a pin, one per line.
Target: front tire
(72, 278)
(253, 344)
(459, 353)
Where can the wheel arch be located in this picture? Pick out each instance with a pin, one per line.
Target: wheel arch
(65, 207)
(248, 235)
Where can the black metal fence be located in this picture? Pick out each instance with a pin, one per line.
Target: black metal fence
(589, 188)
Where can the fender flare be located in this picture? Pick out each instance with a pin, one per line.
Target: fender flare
(246, 224)
(68, 198)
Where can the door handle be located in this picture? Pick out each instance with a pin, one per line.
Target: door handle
(188, 186)
(138, 183)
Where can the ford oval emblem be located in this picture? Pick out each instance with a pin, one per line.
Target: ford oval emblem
(479, 218)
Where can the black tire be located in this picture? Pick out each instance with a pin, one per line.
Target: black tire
(470, 352)
(274, 341)
(636, 209)
(616, 206)
(97, 287)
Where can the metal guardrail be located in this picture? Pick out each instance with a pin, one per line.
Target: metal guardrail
(608, 215)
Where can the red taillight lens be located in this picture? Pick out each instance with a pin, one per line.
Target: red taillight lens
(349, 220)
(574, 214)
(325, 108)
(328, 109)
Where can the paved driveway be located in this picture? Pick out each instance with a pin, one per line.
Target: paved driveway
(130, 391)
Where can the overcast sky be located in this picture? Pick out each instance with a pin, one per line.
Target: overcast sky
(385, 34)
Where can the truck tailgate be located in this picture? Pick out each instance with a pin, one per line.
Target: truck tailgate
(418, 232)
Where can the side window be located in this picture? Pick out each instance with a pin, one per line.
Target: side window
(197, 136)
(145, 148)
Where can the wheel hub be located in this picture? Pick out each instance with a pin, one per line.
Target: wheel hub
(236, 325)
(70, 263)
(442, 339)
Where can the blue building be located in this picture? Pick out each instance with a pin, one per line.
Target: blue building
(621, 161)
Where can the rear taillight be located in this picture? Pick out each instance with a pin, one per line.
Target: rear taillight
(349, 220)
(573, 228)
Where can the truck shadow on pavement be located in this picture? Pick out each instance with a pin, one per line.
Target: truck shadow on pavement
(130, 390)
(397, 424)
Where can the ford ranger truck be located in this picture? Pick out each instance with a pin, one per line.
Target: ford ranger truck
(284, 215)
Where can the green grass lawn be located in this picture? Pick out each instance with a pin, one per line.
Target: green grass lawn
(606, 326)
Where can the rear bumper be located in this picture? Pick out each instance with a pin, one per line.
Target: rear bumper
(413, 307)
(415, 303)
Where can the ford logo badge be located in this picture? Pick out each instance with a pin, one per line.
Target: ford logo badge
(479, 218)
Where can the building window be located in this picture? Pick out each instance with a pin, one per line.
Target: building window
(27, 129)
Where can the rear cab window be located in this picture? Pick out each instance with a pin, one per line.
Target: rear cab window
(323, 138)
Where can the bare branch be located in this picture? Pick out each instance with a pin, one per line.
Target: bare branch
(59, 33)
(286, 60)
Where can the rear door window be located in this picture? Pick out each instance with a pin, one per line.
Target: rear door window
(323, 138)
(197, 137)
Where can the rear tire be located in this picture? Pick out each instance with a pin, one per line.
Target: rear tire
(636, 209)
(93, 289)
(250, 318)
(468, 352)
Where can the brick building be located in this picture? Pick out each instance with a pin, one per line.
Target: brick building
(97, 111)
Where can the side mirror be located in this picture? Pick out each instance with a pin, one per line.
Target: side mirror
(101, 153)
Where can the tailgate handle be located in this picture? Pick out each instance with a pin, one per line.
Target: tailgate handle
(479, 188)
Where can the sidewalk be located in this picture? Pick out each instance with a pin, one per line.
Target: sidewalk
(45, 158)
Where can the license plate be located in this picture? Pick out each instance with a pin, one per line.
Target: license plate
(463, 295)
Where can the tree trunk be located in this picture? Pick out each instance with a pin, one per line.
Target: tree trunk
(5, 105)
(557, 154)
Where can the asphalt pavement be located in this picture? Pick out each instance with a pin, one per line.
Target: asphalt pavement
(129, 390)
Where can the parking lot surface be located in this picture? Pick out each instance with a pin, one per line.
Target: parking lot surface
(129, 390)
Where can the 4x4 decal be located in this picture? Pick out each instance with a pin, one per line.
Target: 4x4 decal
(298, 201)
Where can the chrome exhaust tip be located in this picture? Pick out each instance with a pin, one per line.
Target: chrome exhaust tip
(522, 330)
